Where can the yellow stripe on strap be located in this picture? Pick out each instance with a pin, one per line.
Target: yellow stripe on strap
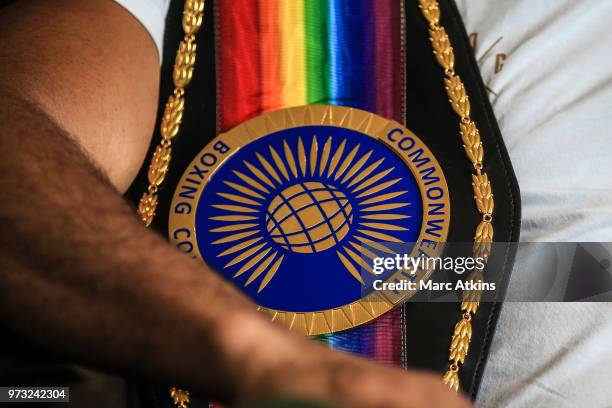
(293, 45)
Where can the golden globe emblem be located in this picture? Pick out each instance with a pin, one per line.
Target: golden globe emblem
(309, 217)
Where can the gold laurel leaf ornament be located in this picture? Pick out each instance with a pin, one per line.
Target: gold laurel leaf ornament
(184, 62)
(483, 196)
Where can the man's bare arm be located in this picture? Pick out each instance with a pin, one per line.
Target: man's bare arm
(81, 276)
(78, 92)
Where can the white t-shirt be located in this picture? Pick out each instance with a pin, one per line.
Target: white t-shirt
(548, 66)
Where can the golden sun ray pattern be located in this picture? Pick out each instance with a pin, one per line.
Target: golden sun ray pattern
(292, 199)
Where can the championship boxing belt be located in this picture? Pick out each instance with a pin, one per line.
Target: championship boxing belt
(294, 161)
(310, 134)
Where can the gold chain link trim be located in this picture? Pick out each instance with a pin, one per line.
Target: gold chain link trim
(483, 197)
(184, 62)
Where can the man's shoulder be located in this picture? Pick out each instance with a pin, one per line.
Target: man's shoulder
(151, 14)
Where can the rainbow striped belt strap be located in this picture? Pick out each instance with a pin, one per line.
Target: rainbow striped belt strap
(274, 54)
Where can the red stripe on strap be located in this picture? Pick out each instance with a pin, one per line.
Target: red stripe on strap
(239, 73)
